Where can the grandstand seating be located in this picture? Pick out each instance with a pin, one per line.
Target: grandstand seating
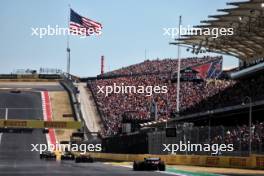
(161, 66)
(239, 136)
(233, 95)
(194, 97)
(113, 106)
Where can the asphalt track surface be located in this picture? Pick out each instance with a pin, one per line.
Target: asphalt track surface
(16, 157)
(32, 86)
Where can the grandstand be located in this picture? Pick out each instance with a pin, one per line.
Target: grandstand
(158, 66)
(217, 107)
(199, 101)
(142, 74)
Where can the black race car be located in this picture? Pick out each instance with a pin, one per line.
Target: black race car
(48, 155)
(67, 156)
(84, 159)
(149, 164)
(15, 91)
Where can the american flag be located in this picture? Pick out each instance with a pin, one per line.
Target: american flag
(80, 25)
(215, 69)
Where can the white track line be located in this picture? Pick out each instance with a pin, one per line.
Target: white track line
(1, 137)
(163, 172)
(45, 116)
(17, 88)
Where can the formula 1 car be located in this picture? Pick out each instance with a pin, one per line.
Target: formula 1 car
(15, 91)
(149, 164)
(67, 156)
(48, 155)
(45, 131)
(84, 159)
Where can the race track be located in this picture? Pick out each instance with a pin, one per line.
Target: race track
(16, 157)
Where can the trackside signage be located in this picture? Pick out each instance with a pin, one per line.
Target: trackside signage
(2, 123)
(15, 123)
(55, 124)
(40, 124)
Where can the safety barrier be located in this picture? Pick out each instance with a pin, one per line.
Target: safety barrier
(77, 113)
(30, 77)
(15, 123)
(29, 80)
(253, 162)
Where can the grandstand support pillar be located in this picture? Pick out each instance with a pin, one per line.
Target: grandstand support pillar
(6, 113)
(179, 68)
(209, 129)
(250, 124)
(247, 98)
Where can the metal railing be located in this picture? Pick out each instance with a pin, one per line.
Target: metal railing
(72, 90)
(238, 136)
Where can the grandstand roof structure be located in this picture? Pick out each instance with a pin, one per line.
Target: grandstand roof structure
(247, 43)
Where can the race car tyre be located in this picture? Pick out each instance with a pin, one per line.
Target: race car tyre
(63, 158)
(82, 160)
(77, 160)
(90, 160)
(162, 166)
(135, 166)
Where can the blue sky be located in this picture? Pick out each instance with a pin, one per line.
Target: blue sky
(129, 27)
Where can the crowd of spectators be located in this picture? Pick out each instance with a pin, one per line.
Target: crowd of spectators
(233, 95)
(114, 105)
(161, 66)
(239, 137)
(194, 96)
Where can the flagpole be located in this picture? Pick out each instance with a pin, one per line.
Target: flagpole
(68, 45)
(179, 69)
